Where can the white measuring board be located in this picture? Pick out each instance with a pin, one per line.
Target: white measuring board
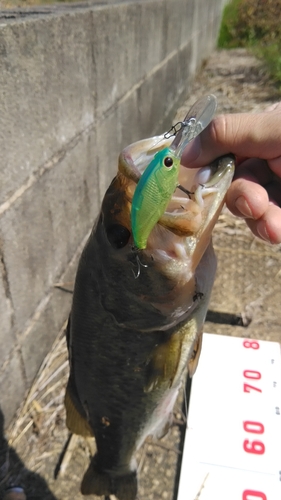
(232, 448)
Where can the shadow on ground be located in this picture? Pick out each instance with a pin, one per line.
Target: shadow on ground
(14, 473)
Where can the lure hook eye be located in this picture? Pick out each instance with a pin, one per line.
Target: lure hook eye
(168, 162)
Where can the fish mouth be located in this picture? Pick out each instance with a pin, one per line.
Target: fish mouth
(191, 215)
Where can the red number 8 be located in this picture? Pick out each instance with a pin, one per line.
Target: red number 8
(251, 344)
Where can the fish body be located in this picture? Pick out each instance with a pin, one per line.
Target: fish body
(131, 340)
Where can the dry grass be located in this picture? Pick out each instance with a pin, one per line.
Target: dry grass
(43, 408)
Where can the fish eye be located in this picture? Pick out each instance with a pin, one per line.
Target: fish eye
(118, 236)
(168, 161)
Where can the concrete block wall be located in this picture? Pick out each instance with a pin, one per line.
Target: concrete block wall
(77, 84)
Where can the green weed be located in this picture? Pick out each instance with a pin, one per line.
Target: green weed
(254, 24)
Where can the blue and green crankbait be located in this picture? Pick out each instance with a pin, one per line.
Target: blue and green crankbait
(160, 178)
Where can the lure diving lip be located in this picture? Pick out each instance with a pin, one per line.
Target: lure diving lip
(160, 178)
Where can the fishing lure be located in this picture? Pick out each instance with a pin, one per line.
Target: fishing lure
(160, 178)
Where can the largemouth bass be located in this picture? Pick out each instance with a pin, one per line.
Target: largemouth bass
(137, 315)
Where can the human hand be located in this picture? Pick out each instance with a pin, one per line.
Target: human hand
(255, 140)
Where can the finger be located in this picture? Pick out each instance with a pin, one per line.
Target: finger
(275, 165)
(254, 186)
(244, 134)
(274, 193)
(256, 170)
(268, 227)
(273, 107)
(245, 198)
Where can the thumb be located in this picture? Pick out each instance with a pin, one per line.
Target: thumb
(243, 134)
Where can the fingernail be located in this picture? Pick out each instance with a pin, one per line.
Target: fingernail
(262, 232)
(243, 207)
(192, 151)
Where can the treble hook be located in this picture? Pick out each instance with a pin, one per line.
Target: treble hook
(139, 263)
(184, 190)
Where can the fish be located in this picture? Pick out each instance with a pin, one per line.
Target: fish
(137, 315)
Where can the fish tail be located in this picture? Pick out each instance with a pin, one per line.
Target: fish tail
(126, 486)
(98, 482)
(95, 482)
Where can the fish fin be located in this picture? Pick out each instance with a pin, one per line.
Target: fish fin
(163, 363)
(163, 431)
(126, 487)
(193, 362)
(76, 423)
(67, 333)
(97, 482)
(75, 419)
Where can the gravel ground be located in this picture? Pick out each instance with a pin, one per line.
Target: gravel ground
(247, 287)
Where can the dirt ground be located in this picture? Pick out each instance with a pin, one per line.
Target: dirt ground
(246, 292)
